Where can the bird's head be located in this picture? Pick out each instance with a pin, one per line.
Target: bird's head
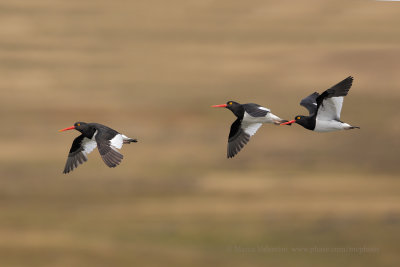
(300, 119)
(79, 126)
(233, 106)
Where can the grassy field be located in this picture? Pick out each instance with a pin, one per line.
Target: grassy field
(151, 70)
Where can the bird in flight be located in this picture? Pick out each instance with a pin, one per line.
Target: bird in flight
(324, 109)
(250, 117)
(95, 135)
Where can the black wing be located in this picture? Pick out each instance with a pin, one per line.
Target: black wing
(237, 138)
(310, 103)
(255, 110)
(109, 154)
(340, 89)
(78, 152)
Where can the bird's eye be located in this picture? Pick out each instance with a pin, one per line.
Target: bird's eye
(78, 124)
(298, 118)
(230, 103)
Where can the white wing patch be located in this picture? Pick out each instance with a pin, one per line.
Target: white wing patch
(330, 108)
(250, 128)
(266, 109)
(117, 141)
(89, 144)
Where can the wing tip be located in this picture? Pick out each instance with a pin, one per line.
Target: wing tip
(236, 145)
(348, 82)
(74, 161)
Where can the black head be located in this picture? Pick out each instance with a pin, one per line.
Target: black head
(299, 118)
(82, 127)
(233, 106)
(307, 122)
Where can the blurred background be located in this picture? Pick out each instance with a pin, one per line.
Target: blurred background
(151, 70)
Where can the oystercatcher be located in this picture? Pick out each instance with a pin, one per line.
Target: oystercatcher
(250, 117)
(94, 134)
(325, 109)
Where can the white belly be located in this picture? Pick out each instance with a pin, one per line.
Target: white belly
(329, 126)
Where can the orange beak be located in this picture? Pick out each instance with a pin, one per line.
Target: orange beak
(220, 106)
(69, 128)
(288, 122)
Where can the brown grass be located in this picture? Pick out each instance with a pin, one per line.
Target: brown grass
(151, 70)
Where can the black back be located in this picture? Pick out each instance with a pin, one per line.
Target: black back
(254, 110)
(103, 132)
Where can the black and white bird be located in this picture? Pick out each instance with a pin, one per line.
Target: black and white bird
(95, 135)
(250, 117)
(325, 109)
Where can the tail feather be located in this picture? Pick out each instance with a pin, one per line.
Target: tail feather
(352, 127)
(130, 140)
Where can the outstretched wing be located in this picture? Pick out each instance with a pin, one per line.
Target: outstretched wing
(240, 135)
(330, 102)
(108, 151)
(78, 152)
(310, 103)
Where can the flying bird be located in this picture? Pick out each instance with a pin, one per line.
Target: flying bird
(95, 135)
(324, 109)
(250, 117)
